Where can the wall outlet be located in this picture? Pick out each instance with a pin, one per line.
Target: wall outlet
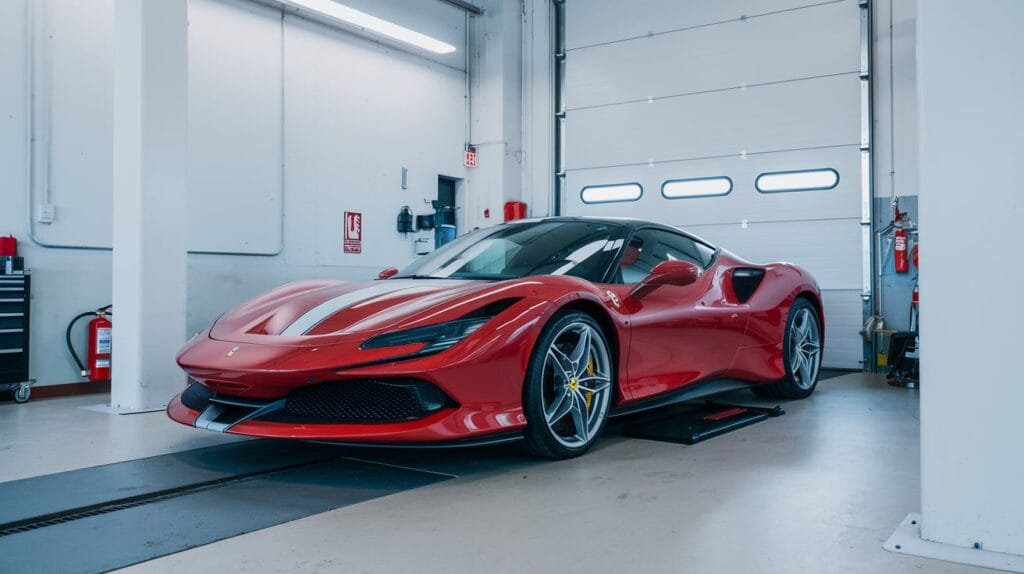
(47, 213)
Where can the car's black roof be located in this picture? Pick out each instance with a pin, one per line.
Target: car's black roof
(630, 223)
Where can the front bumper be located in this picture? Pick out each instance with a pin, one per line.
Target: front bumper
(436, 419)
(447, 426)
(480, 378)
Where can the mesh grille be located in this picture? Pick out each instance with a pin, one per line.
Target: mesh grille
(365, 401)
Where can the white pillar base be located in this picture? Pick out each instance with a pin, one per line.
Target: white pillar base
(907, 540)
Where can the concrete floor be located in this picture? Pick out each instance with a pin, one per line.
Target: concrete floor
(817, 490)
(54, 435)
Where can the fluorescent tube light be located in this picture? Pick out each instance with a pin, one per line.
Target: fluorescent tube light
(341, 13)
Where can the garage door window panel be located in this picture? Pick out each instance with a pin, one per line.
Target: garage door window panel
(611, 193)
(802, 180)
(696, 187)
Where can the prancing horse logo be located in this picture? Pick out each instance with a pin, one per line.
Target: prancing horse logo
(231, 352)
(613, 297)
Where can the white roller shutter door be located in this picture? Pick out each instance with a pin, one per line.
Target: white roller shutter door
(664, 90)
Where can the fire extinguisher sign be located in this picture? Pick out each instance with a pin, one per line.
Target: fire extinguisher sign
(353, 238)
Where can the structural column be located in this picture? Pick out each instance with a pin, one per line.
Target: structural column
(496, 76)
(150, 163)
(970, 81)
(538, 107)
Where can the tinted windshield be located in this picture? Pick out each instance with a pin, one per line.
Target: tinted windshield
(578, 248)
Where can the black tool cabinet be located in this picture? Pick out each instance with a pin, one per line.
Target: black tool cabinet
(15, 293)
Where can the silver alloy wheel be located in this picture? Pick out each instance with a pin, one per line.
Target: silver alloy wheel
(804, 348)
(577, 384)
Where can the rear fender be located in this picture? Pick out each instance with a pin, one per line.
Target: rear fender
(769, 305)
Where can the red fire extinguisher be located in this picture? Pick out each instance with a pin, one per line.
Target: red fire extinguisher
(100, 330)
(900, 247)
(902, 262)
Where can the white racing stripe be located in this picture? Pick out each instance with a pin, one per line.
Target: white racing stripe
(314, 316)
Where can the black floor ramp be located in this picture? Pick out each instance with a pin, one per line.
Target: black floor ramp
(117, 533)
(692, 424)
(78, 490)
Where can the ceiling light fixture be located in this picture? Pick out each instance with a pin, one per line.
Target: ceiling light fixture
(343, 14)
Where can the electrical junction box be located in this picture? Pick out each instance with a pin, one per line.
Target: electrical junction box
(47, 213)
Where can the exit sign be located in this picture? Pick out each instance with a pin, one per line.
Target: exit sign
(470, 159)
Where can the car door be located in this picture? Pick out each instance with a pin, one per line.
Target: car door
(679, 335)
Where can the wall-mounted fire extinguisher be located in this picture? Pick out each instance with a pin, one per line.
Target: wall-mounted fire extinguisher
(100, 332)
(900, 248)
(902, 262)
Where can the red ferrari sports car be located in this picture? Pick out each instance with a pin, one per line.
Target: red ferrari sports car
(538, 330)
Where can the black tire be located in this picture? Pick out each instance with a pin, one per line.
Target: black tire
(541, 439)
(791, 386)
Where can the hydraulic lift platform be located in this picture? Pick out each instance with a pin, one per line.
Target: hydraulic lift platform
(691, 423)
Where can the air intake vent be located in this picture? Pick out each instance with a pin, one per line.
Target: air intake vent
(364, 401)
(745, 282)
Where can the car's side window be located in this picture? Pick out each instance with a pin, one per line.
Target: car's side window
(649, 247)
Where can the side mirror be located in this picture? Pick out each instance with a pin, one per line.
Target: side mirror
(390, 271)
(678, 273)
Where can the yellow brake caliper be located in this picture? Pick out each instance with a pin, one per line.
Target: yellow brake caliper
(590, 371)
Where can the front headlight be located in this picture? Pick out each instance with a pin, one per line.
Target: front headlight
(437, 337)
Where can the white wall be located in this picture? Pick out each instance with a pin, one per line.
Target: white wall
(895, 98)
(350, 113)
(66, 281)
(970, 79)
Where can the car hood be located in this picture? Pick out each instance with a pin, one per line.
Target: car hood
(311, 313)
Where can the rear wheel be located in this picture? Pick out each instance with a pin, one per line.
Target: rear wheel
(568, 387)
(801, 354)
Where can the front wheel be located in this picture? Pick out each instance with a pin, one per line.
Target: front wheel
(801, 354)
(568, 387)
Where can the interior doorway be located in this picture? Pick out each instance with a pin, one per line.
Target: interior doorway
(446, 210)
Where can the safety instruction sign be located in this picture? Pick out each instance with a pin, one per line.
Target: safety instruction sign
(353, 239)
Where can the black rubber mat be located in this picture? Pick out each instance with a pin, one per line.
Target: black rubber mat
(113, 532)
